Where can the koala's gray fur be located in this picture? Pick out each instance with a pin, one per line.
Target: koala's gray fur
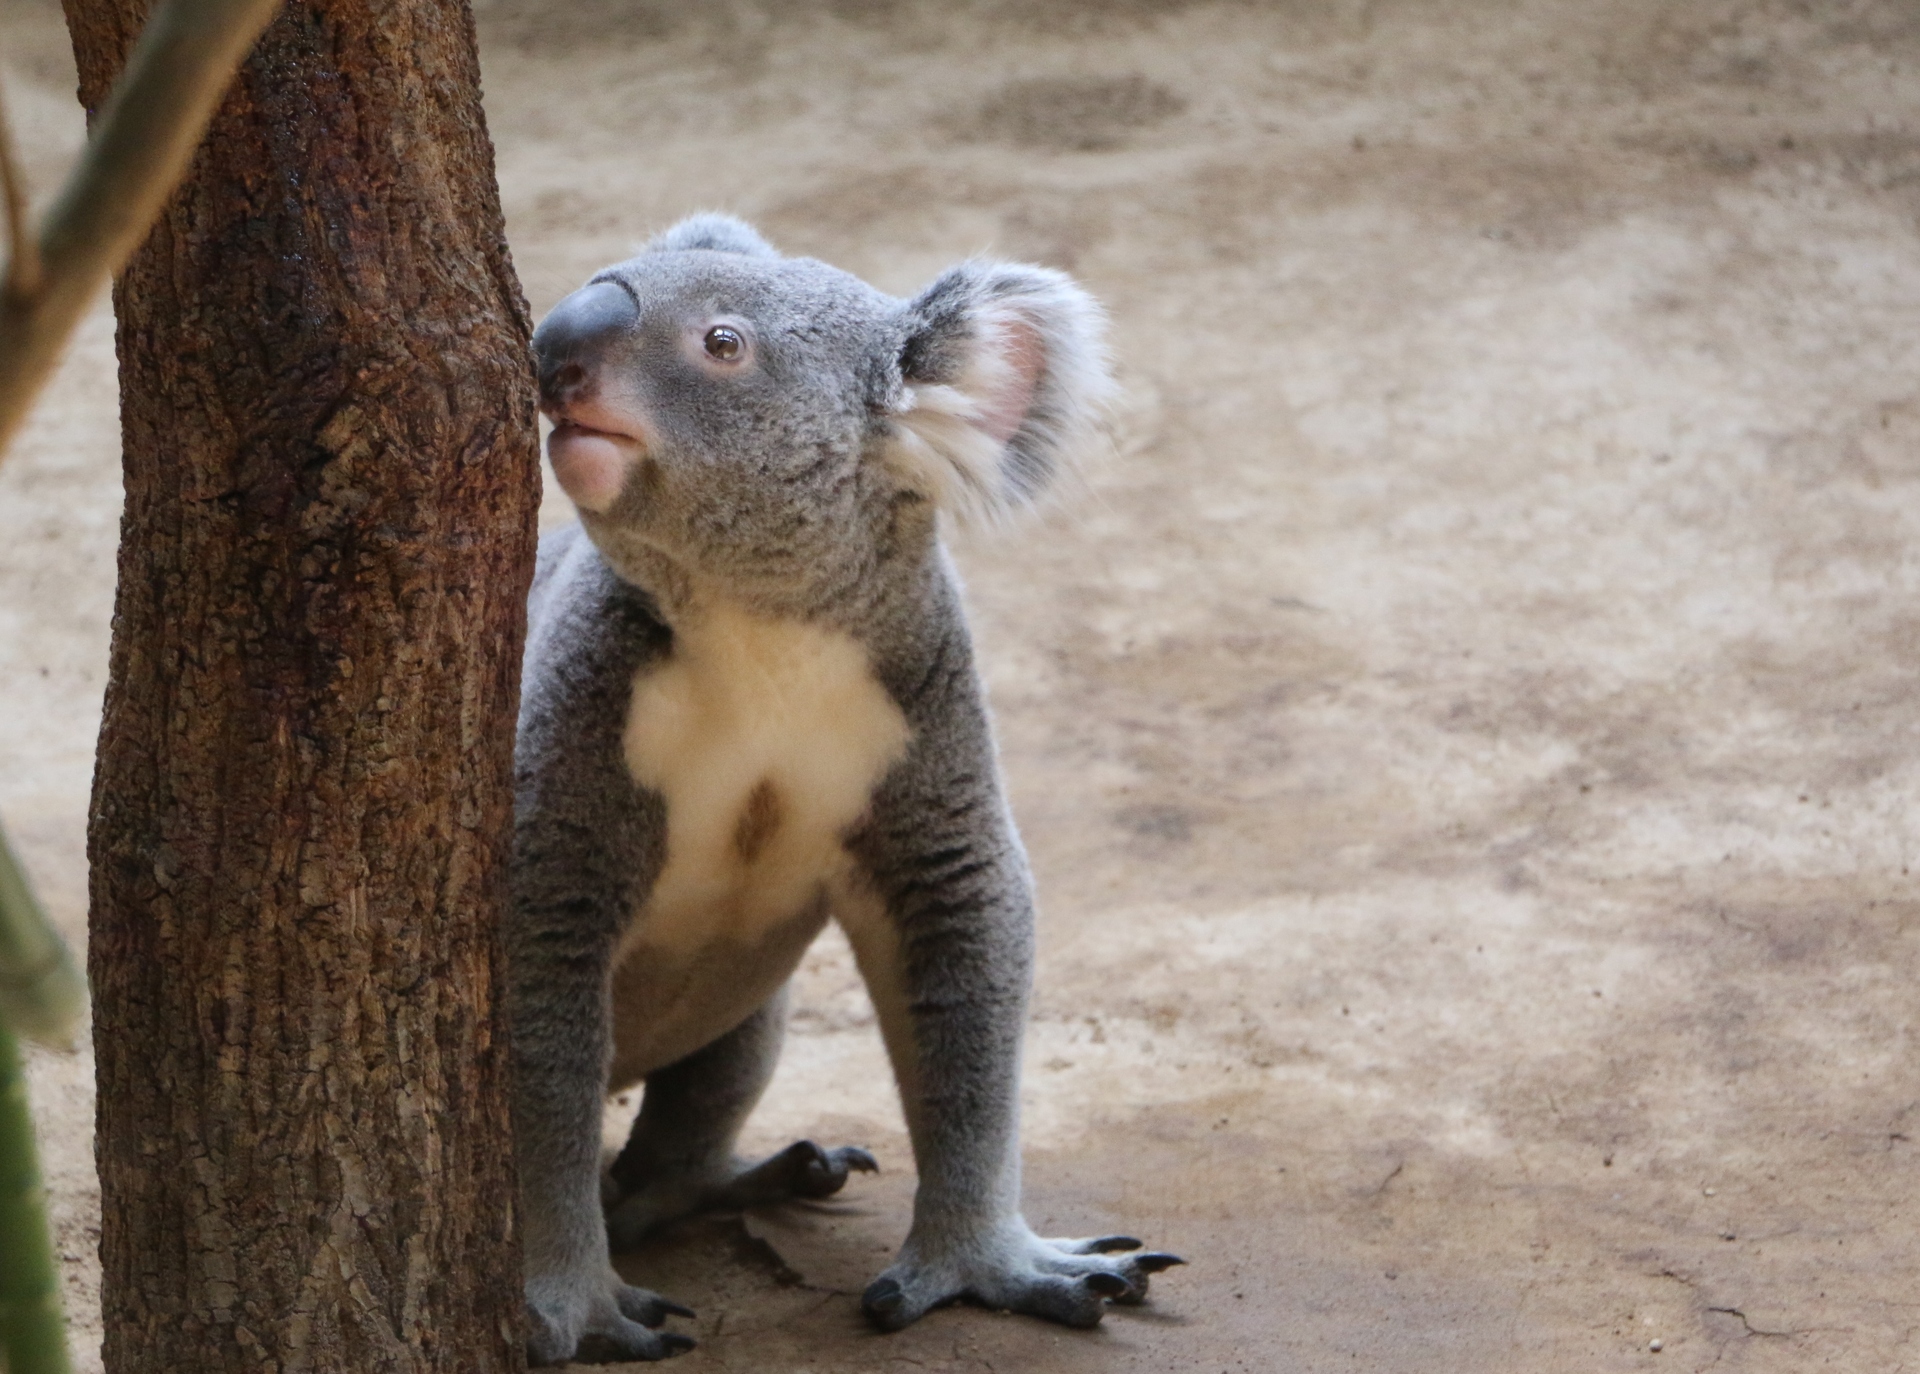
(749, 706)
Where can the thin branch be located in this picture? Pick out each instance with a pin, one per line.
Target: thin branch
(140, 147)
(23, 262)
(155, 118)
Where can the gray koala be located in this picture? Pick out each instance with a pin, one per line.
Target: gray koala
(750, 706)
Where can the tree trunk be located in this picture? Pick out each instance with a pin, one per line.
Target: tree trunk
(301, 806)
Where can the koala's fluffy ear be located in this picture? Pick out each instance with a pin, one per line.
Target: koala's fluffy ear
(716, 232)
(1003, 372)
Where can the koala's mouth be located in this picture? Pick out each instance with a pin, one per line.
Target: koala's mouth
(591, 464)
(566, 431)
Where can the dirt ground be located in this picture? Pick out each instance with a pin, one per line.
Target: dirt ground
(1465, 733)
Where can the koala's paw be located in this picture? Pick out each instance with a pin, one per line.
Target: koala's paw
(598, 1320)
(802, 1170)
(1067, 1281)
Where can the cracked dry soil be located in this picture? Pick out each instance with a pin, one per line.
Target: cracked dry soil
(1466, 734)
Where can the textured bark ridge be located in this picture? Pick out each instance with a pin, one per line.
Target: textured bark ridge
(302, 799)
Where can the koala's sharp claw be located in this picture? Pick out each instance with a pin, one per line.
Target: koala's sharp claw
(812, 1172)
(646, 1307)
(1154, 1261)
(1106, 1245)
(1107, 1285)
(675, 1343)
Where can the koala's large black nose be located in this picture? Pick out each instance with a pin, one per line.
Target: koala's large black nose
(571, 340)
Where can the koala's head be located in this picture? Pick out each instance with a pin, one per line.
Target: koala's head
(779, 428)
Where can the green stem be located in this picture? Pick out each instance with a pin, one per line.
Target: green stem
(41, 992)
(33, 1333)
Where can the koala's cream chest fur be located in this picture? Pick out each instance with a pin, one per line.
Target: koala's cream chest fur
(766, 738)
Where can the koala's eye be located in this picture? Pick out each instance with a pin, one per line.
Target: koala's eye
(725, 343)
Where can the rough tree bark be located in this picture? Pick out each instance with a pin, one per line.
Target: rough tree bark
(301, 803)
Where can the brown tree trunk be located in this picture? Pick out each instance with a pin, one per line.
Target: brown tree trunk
(301, 805)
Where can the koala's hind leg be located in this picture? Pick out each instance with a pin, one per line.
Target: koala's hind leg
(679, 1158)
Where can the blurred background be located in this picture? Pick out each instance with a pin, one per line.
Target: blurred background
(1465, 731)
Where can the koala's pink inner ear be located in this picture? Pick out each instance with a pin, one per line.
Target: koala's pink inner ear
(1018, 357)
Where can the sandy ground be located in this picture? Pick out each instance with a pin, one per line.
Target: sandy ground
(1466, 734)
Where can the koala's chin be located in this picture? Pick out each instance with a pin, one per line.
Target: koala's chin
(749, 706)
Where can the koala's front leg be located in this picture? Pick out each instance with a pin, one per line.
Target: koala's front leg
(587, 845)
(944, 937)
(578, 1307)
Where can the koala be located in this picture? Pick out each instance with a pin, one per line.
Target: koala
(750, 706)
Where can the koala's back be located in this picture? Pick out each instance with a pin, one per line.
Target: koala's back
(757, 740)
